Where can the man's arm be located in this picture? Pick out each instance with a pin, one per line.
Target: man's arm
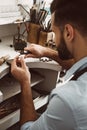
(21, 73)
(38, 51)
(27, 110)
(53, 54)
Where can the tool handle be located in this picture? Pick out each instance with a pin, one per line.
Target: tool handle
(3, 59)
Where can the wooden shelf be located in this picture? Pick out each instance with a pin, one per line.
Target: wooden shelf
(10, 87)
(14, 117)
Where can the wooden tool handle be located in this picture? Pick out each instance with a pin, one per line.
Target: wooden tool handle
(3, 59)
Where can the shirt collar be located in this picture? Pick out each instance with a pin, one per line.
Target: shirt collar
(77, 65)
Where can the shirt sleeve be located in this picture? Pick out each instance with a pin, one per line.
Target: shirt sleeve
(26, 126)
(58, 116)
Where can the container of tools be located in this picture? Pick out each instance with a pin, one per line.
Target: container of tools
(38, 16)
(46, 33)
(44, 37)
(33, 34)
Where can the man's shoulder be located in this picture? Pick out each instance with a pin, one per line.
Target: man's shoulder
(71, 93)
(65, 90)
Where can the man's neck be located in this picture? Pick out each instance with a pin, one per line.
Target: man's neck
(80, 49)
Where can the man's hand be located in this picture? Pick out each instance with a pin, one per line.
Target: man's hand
(19, 70)
(36, 51)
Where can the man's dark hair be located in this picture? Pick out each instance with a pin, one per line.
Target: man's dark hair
(72, 12)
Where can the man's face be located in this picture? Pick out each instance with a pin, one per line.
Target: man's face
(63, 51)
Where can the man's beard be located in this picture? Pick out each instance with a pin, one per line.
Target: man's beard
(63, 52)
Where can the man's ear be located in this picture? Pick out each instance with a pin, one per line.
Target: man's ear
(68, 32)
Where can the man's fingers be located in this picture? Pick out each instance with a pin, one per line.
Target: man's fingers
(23, 64)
